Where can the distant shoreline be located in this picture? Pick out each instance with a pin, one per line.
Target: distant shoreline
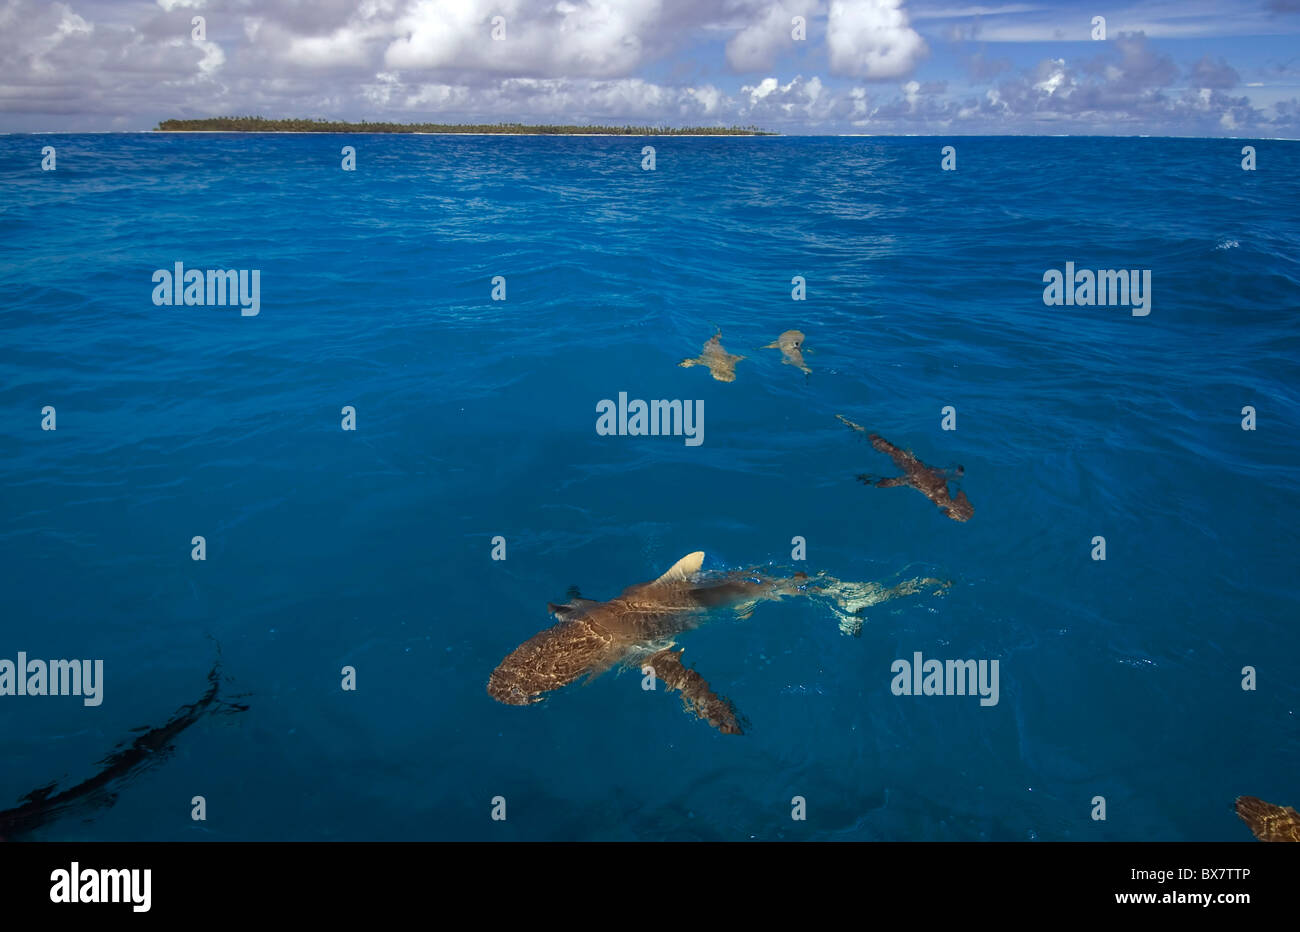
(261, 125)
(698, 135)
(318, 132)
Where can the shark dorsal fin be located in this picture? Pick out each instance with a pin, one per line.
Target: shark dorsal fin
(683, 569)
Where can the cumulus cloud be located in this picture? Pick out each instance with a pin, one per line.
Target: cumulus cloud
(1214, 74)
(571, 37)
(106, 64)
(872, 39)
(55, 61)
(552, 100)
(754, 47)
(800, 101)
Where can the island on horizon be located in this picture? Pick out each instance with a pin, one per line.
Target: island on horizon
(252, 124)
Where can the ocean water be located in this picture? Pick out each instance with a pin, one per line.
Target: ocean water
(476, 418)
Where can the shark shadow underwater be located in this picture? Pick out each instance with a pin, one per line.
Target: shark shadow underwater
(929, 481)
(637, 629)
(151, 747)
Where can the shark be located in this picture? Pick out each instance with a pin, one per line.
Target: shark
(1267, 821)
(722, 365)
(790, 344)
(153, 745)
(638, 627)
(930, 482)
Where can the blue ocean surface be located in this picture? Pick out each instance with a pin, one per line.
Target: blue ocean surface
(475, 418)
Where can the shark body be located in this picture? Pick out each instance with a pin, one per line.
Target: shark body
(722, 365)
(638, 626)
(790, 343)
(930, 482)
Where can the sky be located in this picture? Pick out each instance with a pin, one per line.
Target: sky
(936, 67)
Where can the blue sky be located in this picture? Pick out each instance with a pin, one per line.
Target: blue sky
(1188, 67)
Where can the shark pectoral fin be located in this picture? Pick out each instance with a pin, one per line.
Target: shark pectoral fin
(683, 569)
(1267, 821)
(698, 697)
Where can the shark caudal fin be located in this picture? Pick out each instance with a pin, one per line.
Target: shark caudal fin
(683, 569)
(858, 427)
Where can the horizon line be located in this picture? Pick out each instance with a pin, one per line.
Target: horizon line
(659, 135)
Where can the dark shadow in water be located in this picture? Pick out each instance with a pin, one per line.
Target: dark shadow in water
(44, 805)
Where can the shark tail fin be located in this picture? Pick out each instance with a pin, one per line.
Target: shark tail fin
(857, 427)
(683, 569)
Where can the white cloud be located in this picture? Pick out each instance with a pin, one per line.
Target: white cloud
(709, 99)
(872, 39)
(584, 38)
(754, 47)
(213, 58)
(1054, 77)
(342, 47)
(97, 64)
(760, 90)
(796, 102)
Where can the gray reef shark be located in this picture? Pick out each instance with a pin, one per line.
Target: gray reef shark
(1267, 821)
(929, 481)
(637, 629)
(722, 365)
(790, 344)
